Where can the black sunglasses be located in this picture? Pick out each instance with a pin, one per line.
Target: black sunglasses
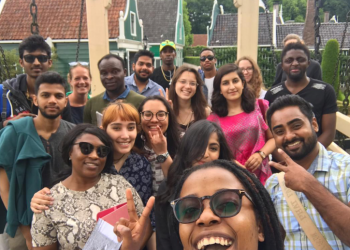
(86, 149)
(203, 58)
(31, 58)
(224, 203)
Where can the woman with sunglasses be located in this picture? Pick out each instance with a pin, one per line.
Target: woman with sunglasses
(242, 118)
(187, 98)
(217, 205)
(159, 138)
(252, 75)
(121, 121)
(82, 193)
(79, 78)
(204, 141)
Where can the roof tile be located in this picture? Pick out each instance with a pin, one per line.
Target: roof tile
(57, 19)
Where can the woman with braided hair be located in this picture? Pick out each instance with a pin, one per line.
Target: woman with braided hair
(218, 205)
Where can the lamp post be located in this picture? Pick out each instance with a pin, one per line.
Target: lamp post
(145, 42)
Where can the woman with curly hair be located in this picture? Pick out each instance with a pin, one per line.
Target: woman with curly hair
(252, 75)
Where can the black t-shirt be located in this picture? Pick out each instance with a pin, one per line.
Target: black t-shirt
(77, 114)
(162, 80)
(320, 94)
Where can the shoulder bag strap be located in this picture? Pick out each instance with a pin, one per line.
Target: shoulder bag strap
(4, 103)
(309, 228)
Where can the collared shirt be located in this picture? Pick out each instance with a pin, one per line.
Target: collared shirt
(152, 88)
(332, 170)
(122, 96)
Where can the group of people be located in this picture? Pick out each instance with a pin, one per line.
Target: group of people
(199, 141)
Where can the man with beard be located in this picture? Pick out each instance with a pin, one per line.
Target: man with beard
(320, 178)
(295, 61)
(140, 81)
(112, 74)
(208, 71)
(30, 156)
(35, 59)
(163, 74)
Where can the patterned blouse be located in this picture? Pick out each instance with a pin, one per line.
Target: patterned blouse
(72, 217)
(137, 171)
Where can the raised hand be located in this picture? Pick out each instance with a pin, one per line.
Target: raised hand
(166, 96)
(158, 141)
(133, 231)
(295, 175)
(41, 201)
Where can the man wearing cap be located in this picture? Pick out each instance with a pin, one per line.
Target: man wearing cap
(163, 74)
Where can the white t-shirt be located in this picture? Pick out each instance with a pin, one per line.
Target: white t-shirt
(262, 94)
(209, 82)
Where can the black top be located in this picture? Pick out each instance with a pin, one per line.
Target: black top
(77, 114)
(167, 235)
(313, 71)
(320, 94)
(159, 78)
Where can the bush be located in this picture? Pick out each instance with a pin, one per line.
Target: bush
(192, 60)
(329, 61)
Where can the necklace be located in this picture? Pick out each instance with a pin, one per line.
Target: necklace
(165, 76)
(189, 120)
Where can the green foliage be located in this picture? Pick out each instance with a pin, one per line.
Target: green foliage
(329, 61)
(12, 63)
(188, 26)
(228, 5)
(337, 7)
(192, 60)
(199, 15)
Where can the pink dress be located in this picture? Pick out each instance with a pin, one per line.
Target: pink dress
(245, 134)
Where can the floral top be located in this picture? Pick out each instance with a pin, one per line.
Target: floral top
(137, 171)
(72, 217)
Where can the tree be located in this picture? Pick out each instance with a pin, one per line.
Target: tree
(12, 64)
(309, 30)
(187, 24)
(199, 14)
(337, 7)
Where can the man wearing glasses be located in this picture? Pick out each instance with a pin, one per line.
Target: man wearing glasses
(208, 71)
(163, 74)
(35, 59)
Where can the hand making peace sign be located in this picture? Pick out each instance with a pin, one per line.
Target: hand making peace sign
(133, 231)
(295, 175)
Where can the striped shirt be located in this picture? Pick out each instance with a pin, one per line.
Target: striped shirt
(332, 170)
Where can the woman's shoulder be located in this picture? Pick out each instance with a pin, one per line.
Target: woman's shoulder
(137, 160)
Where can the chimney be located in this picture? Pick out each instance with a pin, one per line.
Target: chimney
(326, 17)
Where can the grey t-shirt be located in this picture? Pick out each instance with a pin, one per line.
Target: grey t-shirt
(51, 170)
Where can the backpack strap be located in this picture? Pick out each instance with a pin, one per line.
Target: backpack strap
(4, 103)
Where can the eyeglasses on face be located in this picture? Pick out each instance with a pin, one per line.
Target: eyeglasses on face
(86, 148)
(160, 115)
(247, 69)
(72, 64)
(224, 203)
(31, 58)
(203, 58)
(184, 82)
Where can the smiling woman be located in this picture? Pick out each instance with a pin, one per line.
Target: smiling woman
(219, 205)
(86, 190)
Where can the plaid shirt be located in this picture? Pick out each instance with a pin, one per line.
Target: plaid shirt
(332, 170)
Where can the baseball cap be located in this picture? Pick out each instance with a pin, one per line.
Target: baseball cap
(165, 44)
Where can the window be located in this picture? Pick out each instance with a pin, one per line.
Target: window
(133, 23)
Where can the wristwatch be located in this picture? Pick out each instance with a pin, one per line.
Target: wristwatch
(262, 154)
(162, 157)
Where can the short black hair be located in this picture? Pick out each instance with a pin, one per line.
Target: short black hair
(295, 46)
(33, 43)
(209, 49)
(49, 77)
(290, 101)
(144, 53)
(108, 56)
(264, 209)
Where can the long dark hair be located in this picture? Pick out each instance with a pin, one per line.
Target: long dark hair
(264, 209)
(172, 133)
(218, 101)
(193, 146)
(69, 139)
(198, 101)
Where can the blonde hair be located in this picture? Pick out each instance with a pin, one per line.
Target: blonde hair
(292, 37)
(256, 82)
